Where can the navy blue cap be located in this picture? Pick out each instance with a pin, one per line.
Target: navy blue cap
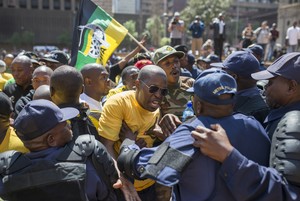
(212, 58)
(191, 58)
(255, 49)
(212, 83)
(287, 66)
(40, 116)
(57, 56)
(242, 63)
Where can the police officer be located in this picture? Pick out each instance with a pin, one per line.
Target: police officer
(176, 162)
(282, 181)
(55, 165)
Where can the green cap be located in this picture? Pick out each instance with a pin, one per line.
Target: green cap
(164, 52)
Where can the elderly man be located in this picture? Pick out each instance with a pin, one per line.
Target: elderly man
(138, 109)
(280, 182)
(177, 163)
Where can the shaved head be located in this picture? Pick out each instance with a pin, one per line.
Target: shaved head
(42, 92)
(89, 70)
(149, 71)
(66, 85)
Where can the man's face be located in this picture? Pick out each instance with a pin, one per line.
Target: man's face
(62, 133)
(101, 83)
(171, 66)
(276, 92)
(183, 61)
(40, 78)
(21, 73)
(149, 93)
(130, 79)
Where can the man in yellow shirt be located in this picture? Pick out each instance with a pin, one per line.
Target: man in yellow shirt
(8, 138)
(139, 110)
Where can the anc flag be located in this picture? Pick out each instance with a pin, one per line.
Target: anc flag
(96, 35)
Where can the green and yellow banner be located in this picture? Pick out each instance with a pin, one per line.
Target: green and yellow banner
(96, 35)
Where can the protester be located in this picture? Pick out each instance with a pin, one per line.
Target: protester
(8, 138)
(55, 59)
(42, 92)
(177, 163)
(57, 168)
(139, 110)
(128, 76)
(40, 76)
(204, 63)
(176, 29)
(22, 70)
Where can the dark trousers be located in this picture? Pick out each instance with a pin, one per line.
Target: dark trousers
(148, 194)
(218, 45)
(175, 41)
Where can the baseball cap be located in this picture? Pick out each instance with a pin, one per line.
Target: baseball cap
(212, 83)
(57, 56)
(176, 14)
(6, 105)
(2, 66)
(212, 58)
(182, 48)
(287, 66)
(255, 49)
(243, 63)
(40, 116)
(164, 52)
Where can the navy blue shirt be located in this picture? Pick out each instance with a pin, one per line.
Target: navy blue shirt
(200, 180)
(197, 29)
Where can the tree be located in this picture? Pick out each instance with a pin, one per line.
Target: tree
(154, 30)
(128, 43)
(206, 9)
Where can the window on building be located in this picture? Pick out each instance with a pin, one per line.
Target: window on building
(45, 4)
(67, 4)
(56, 4)
(1, 3)
(23, 3)
(34, 4)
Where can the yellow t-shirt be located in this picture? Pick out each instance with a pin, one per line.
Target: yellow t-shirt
(116, 91)
(123, 106)
(12, 142)
(6, 76)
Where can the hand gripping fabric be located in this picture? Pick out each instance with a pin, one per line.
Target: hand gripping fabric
(285, 149)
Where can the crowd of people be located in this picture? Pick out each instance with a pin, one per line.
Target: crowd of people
(116, 132)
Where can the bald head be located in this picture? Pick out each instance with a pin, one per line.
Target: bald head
(41, 76)
(89, 70)
(42, 92)
(66, 85)
(22, 69)
(150, 71)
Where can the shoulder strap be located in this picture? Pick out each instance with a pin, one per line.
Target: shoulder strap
(12, 161)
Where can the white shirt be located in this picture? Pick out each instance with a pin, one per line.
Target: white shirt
(93, 104)
(293, 35)
(221, 26)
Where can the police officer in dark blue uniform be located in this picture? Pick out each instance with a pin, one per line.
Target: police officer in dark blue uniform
(176, 162)
(281, 182)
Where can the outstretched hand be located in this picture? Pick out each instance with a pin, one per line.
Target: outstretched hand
(212, 142)
(127, 188)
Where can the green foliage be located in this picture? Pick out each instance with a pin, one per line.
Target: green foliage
(23, 38)
(128, 43)
(206, 9)
(155, 29)
(164, 41)
(65, 39)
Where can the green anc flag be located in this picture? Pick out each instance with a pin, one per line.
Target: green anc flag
(96, 35)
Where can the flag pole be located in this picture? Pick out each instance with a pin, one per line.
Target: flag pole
(135, 40)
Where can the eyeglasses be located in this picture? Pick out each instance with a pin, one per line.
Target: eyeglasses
(153, 89)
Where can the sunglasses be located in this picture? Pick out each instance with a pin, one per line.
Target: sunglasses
(153, 89)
